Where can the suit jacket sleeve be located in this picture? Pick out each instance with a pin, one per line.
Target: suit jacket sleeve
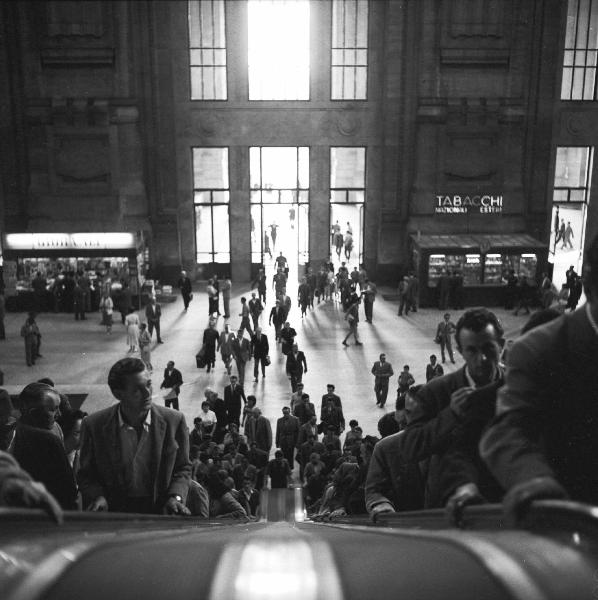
(378, 483)
(88, 476)
(269, 433)
(181, 474)
(266, 345)
(511, 447)
(278, 433)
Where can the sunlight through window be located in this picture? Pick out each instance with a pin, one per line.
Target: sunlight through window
(278, 49)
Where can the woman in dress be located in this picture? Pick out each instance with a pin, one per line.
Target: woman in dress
(132, 325)
(107, 307)
(145, 341)
(226, 347)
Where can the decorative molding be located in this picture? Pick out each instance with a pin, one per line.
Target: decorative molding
(347, 123)
(74, 19)
(498, 57)
(77, 57)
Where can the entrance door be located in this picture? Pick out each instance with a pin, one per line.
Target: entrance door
(346, 234)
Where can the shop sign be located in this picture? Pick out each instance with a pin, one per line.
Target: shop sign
(69, 241)
(478, 204)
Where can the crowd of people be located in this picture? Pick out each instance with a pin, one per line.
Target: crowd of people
(513, 424)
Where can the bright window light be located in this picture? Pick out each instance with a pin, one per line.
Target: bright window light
(278, 49)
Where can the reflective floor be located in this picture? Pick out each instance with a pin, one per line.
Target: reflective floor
(78, 354)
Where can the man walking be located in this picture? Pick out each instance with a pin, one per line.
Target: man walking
(382, 371)
(173, 380)
(255, 309)
(260, 349)
(184, 284)
(153, 312)
(352, 317)
(369, 292)
(244, 314)
(296, 366)
(233, 394)
(287, 433)
(241, 353)
(444, 334)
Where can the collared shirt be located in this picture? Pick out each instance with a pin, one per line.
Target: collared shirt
(473, 384)
(136, 456)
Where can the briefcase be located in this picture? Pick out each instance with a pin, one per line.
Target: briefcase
(200, 358)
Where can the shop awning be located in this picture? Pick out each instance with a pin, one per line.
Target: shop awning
(478, 242)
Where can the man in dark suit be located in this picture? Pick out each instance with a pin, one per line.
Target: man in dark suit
(233, 394)
(287, 433)
(241, 349)
(306, 449)
(543, 442)
(260, 431)
(37, 450)
(332, 416)
(259, 349)
(278, 317)
(173, 380)
(184, 284)
(444, 333)
(304, 409)
(296, 366)
(153, 312)
(134, 454)
(445, 401)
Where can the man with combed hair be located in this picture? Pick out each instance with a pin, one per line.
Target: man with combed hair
(134, 454)
(446, 402)
(543, 442)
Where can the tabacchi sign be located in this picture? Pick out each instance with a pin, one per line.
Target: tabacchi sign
(468, 204)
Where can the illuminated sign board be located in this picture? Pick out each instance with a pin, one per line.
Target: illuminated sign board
(478, 204)
(69, 241)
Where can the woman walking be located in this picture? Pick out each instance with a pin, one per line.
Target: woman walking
(30, 332)
(145, 342)
(132, 325)
(107, 307)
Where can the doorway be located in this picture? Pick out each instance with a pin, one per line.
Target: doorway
(346, 234)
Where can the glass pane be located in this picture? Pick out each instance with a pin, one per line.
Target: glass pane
(588, 91)
(255, 197)
(204, 257)
(278, 49)
(220, 197)
(218, 15)
(571, 167)
(355, 197)
(221, 229)
(201, 198)
(559, 196)
(220, 57)
(337, 83)
(361, 83)
(349, 83)
(303, 233)
(203, 229)
(347, 167)
(195, 57)
(577, 93)
(279, 167)
(362, 23)
(580, 58)
(207, 30)
(577, 196)
(303, 196)
(361, 57)
(270, 196)
(338, 196)
(194, 35)
(222, 257)
(350, 33)
(287, 196)
(349, 57)
(210, 168)
(566, 85)
(337, 23)
(196, 93)
(220, 83)
(337, 57)
(255, 168)
(256, 230)
(304, 167)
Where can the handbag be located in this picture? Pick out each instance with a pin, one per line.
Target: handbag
(191, 296)
(267, 361)
(200, 358)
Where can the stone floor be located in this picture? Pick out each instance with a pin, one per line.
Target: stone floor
(78, 354)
